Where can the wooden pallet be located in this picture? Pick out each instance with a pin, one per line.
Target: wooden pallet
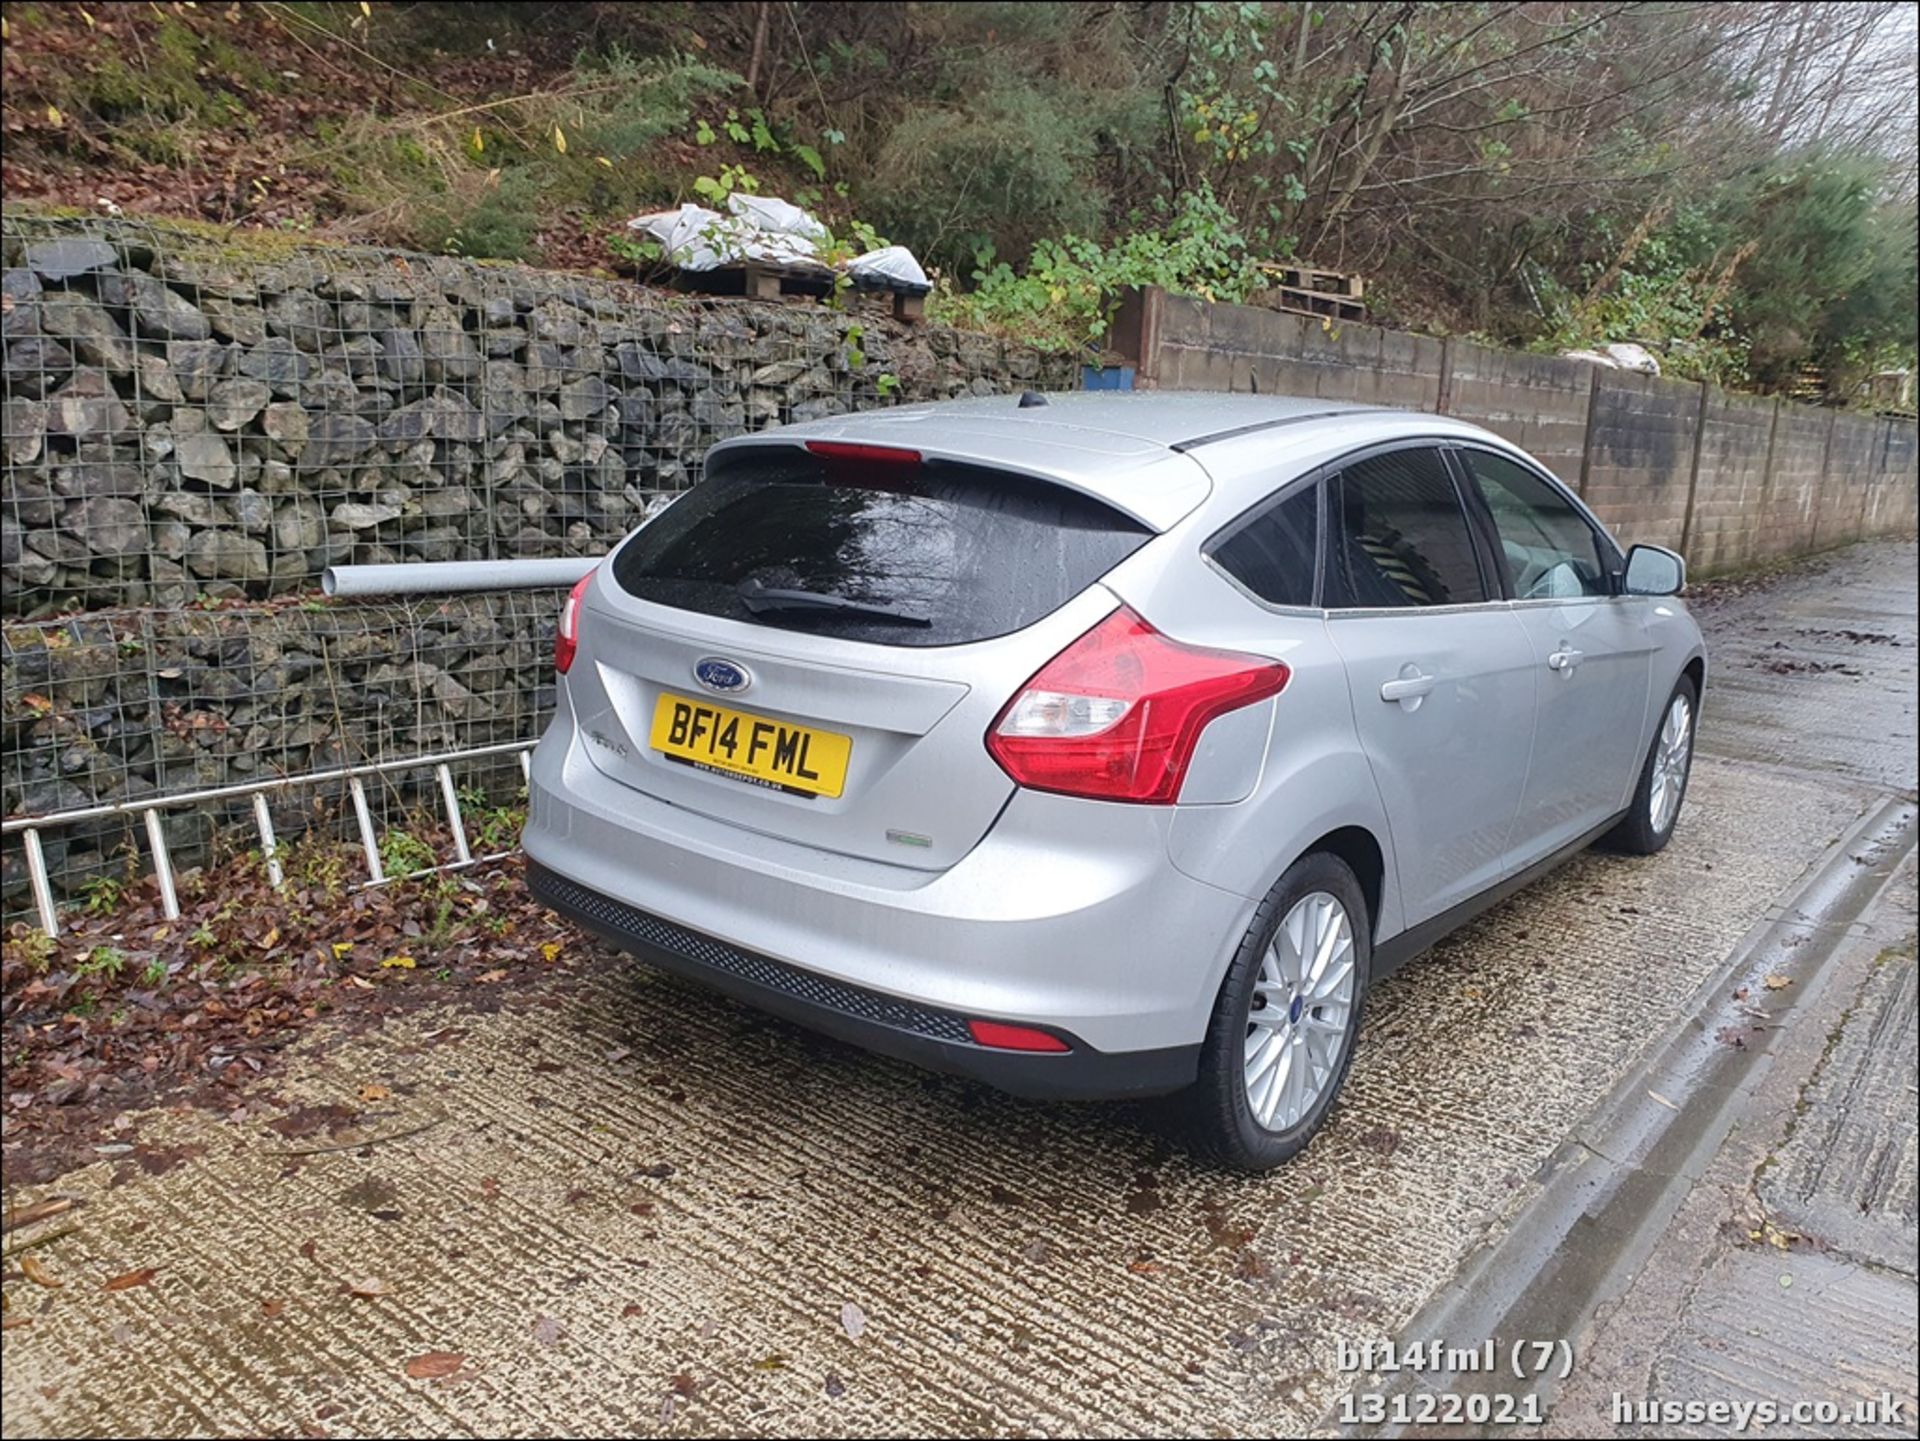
(1316, 280)
(1295, 301)
(763, 280)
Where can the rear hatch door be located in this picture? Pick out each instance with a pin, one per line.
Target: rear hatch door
(813, 646)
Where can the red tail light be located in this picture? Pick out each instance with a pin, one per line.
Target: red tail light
(566, 639)
(1117, 714)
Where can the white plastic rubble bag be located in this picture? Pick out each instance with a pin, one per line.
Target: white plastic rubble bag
(772, 216)
(892, 265)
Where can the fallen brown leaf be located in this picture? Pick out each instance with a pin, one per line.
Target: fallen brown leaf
(1778, 982)
(143, 1277)
(432, 1365)
(7, 1323)
(35, 1270)
(375, 1092)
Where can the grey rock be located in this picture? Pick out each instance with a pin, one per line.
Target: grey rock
(196, 508)
(818, 409)
(436, 543)
(335, 439)
(24, 433)
(227, 555)
(276, 361)
(299, 524)
(332, 390)
(400, 358)
(722, 417)
(445, 413)
(159, 311)
(302, 318)
(556, 321)
(111, 526)
(19, 283)
(86, 407)
(95, 336)
(253, 510)
(67, 258)
(637, 363)
(36, 363)
(196, 365)
(243, 324)
(546, 366)
(286, 423)
(448, 351)
(232, 403)
(202, 277)
(99, 477)
(157, 384)
(352, 515)
(584, 397)
(781, 372)
(170, 539)
(206, 458)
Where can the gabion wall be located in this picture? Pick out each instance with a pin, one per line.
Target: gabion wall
(196, 426)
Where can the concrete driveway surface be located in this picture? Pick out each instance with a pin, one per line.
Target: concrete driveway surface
(631, 1207)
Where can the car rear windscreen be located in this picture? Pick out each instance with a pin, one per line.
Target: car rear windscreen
(917, 554)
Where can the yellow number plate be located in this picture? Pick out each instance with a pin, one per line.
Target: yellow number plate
(750, 747)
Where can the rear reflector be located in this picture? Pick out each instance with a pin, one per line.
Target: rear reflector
(1003, 1037)
(1118, 714)
(848, 451)
(566, 638)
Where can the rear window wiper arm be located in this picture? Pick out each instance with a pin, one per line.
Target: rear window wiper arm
(765, 600)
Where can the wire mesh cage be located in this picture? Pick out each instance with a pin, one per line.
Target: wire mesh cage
(198, 424)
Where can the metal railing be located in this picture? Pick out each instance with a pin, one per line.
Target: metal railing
(30, 827)
(397, 580)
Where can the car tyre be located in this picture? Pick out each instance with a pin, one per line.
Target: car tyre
(1224, 1109)
(1655, 809)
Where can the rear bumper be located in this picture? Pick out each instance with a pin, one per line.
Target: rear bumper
(1068, 915)
(884, 1024)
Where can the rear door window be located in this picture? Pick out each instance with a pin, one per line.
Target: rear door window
(1398, 535)
(1272, 552)
(911, 555)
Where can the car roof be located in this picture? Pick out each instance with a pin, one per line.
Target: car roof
(1132, 449)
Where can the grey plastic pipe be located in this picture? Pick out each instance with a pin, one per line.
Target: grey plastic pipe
(449, 577)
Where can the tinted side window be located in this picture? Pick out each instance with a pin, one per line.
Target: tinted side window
(1399, 536)
(917, 556)
(1272, 554)
(1546, 547)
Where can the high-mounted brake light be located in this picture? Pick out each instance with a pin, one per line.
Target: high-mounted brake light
(566, 639)
(852, 453)
(1118, 714)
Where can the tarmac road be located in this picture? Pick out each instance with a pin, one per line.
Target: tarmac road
(632, 1207)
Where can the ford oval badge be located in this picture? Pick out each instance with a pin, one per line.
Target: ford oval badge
(721, 675)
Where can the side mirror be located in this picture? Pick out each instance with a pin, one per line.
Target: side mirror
(1652, 570)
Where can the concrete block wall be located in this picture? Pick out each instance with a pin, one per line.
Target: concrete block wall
(1728, 480)
(1639, 455)
(1731, 481)
(1539, 402)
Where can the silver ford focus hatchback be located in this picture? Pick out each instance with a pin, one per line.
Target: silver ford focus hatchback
(1104, 745)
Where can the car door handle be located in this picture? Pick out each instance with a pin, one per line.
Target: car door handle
(1410, 687)
(1564, 659)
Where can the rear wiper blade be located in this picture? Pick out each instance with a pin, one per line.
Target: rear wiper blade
(764, 600)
